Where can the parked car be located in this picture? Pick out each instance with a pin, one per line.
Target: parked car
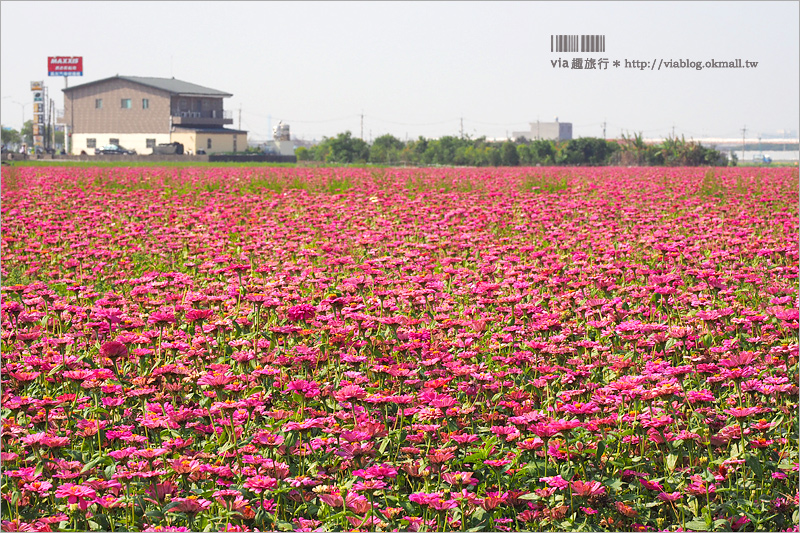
(113, 149)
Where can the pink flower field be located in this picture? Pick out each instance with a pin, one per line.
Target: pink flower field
(242, 349)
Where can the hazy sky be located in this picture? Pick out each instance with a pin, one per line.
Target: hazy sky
(419, 68)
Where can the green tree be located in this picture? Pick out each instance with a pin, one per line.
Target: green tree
(508, 154)
(586, 151)
(543, 152)
(27, 132)
(524, 154)
(386, 149)
(303, 154)
(344, 148)
(11, 136)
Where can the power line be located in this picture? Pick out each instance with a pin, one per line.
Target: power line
(414, 123)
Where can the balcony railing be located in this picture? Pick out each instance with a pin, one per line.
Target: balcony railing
(202, 118)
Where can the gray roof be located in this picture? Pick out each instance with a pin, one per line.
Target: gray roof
(170, 85)
(205, 129)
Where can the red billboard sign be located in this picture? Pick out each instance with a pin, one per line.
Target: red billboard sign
(65, 66)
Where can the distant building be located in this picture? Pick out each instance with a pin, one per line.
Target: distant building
(138, 113)
(282, 143)
(550, 131)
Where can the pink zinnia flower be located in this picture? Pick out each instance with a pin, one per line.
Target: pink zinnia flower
(161, 318)
(198, 315)
(192, 505)
(301, 312)
(259, 484)
(83, 496)
(587, 488)
(555, 481)
(459, 478)
(349, 392)
(113, 350)
(743, 412)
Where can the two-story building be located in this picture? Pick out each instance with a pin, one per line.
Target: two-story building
(138, 113)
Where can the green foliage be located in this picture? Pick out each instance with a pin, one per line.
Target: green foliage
(27, 132)
(587, 151)
(508, 154)
(344, 148)
(672, 152)
(386, 149)
(11, 136)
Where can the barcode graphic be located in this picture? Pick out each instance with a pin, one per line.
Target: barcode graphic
(577, 43)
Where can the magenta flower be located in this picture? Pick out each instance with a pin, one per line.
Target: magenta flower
(76, 494)
(587, 488)
(301, 312)
(113, 350)
(161, 318)
(669, 496)
(259, 484)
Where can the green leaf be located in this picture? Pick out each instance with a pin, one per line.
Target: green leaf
(94, 462)
(697, 525)
(616, 485)
(601, 447)
(694, 506)
(172, 505)
(754, 464)
(721, 524)
(672, 460)
(383, 445)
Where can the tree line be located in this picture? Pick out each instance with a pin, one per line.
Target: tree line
(479, 152)
(12, 137)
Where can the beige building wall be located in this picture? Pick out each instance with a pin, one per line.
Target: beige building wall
(130, 141)
(83, 116)
(220, 142)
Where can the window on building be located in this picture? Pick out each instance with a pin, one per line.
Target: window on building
(209, 144)
(151, 143)
(98, 103)
(184, 104)
(91, 143)
(145, 103)
(113, 141)
(126, 103)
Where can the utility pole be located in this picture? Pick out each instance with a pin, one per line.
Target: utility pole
(240, 117)
(743, 132)
(673, 131)
(52, 125)
(604, 130)
(67, 144)
(362, 124)
(461, 129)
